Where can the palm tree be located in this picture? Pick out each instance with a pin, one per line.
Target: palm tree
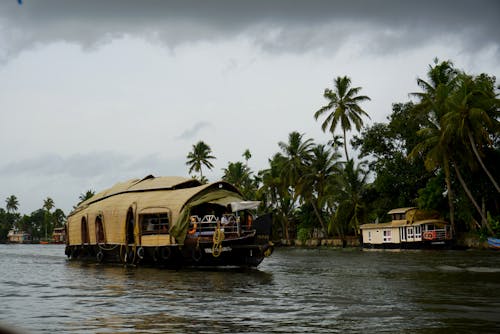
(474, 115)
(344, 102)
(433, 104)
(48, 204)
(314, 182)
(297, 154)
(237, 174)
(350, 209)
(276, 193)
(247, 155)
(86, 195)
(12, 204)
(199, 157)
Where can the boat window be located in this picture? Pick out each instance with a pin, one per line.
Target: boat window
(387, 235)
(85, 231)
(99, 230)
(410, 232)
(418, 232)
(156, 223)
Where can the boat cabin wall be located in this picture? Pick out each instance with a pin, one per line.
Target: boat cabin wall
(84, 226)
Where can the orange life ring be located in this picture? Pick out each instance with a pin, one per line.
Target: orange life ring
(193, 229)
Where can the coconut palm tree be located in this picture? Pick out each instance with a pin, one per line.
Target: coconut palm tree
(247, 155)
(297, 154)
(313, 184)
(474, 115)
(12, 204)
(237, 174)
(86, 195)
(200, 156)
(276, 193)
(351, 208)
(344, 106)
(48, 204)
(433, 105)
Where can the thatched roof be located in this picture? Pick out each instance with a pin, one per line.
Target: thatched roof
(145, 184)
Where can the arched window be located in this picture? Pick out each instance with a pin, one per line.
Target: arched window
(130, 224)
(85, 231)
(99, 230)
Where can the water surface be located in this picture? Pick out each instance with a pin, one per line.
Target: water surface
(293, 291)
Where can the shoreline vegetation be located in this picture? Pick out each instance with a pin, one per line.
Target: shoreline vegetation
(438, 151)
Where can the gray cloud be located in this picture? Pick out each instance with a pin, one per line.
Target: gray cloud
(194, 130)
(86, 165)
(277, 26)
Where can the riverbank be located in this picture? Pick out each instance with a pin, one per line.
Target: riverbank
(463, 241)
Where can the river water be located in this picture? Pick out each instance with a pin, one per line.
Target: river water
(294, 291)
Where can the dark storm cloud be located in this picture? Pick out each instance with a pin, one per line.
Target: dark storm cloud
(291, 26)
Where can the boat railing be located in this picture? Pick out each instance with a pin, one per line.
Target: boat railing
(206, 226)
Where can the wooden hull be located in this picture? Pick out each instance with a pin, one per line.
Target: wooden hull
(242, 252)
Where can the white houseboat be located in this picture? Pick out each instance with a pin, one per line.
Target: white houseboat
(18, 237)
(409, 228)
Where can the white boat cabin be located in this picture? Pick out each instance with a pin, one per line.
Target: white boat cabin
(409, 228)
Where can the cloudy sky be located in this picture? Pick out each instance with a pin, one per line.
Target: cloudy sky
(94, 92)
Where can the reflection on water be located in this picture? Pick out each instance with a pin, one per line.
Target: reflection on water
(294, 291)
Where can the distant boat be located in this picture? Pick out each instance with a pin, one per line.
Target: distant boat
(18, 237)
(494, 243)
(409, 228)
(59, 235)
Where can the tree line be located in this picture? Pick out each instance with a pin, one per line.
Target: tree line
(437, 151)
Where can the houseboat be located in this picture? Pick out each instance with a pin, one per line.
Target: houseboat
(18, 237)
(409, 228)
(169, 221)
(59, 235)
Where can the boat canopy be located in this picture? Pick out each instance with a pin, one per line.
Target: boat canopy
(244, 205)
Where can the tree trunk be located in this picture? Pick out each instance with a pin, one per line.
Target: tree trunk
(447, 177)
(473, 201)
(345, 146)
(318, 215)
(474, 148)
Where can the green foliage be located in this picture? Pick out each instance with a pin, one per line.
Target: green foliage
(303, 234)
(200, 156)
(431, 197)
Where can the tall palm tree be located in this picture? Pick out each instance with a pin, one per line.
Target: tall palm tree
(344, 103)
(200, 156)
(474, 115)
(12, 204)
(433, 105)
(48, 204)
